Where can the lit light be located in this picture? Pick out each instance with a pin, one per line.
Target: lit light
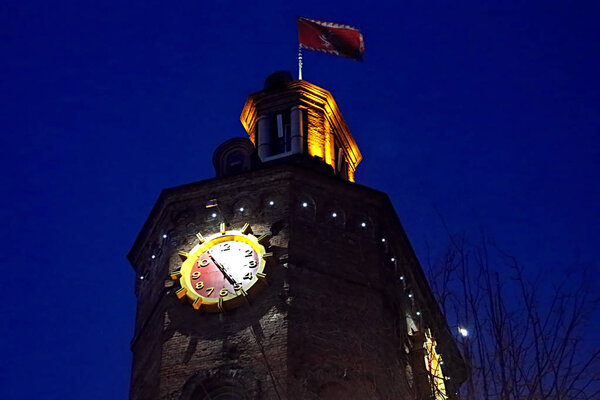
(401, 277)
(418, 313)
(153, 256)
(442, 362)
(334, 215)
(214, 215)
(410, 295)
(383, 240)
(211, 203)
(463, 331)
(304, 204)
(241, 209)
(393, 259)
(271, 203)
(165, 236)
(448, 378)
(142, 277)
(363, 224)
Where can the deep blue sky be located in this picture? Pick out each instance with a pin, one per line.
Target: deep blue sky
(487, 112)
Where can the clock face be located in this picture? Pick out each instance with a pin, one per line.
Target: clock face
(223, 268)
(222, 271)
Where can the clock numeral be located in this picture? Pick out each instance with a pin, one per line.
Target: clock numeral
(226, 247)
(248, 253)
(199, 285)
(252, 263)
(223, 292)
(248, 275)
(210, 290)
(237, 286)
(204, 262)
(196, 274)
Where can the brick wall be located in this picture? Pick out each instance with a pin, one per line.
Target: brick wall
(331, 323)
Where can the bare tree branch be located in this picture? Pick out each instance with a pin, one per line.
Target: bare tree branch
(528, 340)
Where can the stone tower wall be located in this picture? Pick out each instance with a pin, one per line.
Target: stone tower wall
(332, 323)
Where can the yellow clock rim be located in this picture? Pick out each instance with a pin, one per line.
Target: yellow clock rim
(211, 241)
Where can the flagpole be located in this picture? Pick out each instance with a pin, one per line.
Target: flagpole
(299, 63)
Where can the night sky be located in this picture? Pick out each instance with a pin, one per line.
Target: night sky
(485, 114)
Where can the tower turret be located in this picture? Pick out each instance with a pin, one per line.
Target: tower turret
(290, 118)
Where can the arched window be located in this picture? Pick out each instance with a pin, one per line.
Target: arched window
(223, 383)
(233, 156)
(234, 162)
(217, 389)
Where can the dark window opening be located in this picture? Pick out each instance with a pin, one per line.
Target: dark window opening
(341, 163)
(234, 163)
(281, 133)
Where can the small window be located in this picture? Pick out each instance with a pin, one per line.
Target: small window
(341, 163)
(234, 163)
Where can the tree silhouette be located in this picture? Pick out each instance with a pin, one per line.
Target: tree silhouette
(529, 338)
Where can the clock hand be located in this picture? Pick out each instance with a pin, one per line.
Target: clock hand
(222, 269)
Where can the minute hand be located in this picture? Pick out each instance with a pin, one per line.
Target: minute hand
(223, 270)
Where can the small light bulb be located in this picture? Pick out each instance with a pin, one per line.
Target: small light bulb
(334, 215)
(442, 362)
(418, 313)
(401, 277)
(214, 215)
(153, 256)
(364, 224)
(463, 331)
(165, 236)
(271, 203)
(142, 277)
(410, 295)
(383, 240)
(241, 209)
(304, 204)
(393, 259)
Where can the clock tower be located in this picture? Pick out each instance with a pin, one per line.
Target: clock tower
(282, 278)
